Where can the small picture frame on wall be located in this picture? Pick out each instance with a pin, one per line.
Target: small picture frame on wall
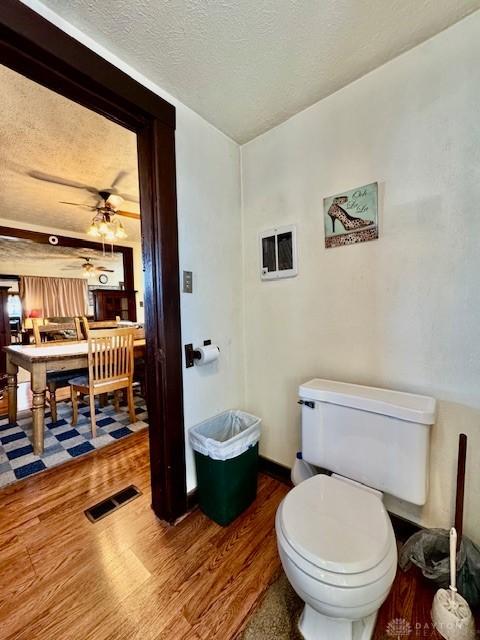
(351, 216)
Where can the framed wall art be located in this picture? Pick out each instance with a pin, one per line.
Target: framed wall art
(351, 216)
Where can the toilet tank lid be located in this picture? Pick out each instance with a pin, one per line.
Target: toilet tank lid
(405, 406)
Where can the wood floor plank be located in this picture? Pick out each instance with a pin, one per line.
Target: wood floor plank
(179, 628)
(235, 561)
(68, 608)
(69, 541)
(410, 600)
(155, 607)
(231, 605)
(16, 568)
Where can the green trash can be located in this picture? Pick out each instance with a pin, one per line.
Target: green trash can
(226, 460)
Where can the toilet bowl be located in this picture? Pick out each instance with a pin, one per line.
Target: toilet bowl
(338, 549)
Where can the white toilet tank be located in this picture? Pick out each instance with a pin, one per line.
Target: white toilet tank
(378, 437)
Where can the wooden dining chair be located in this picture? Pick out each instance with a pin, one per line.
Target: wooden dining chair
(138, 334)
(110, 368)
(89, 325)
(58, 333)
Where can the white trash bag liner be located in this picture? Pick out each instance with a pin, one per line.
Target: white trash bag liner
(225, 436)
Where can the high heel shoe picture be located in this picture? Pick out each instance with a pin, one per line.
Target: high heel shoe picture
(351, 217)
(350, 223)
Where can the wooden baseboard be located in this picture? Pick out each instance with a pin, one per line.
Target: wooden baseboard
(274, 469)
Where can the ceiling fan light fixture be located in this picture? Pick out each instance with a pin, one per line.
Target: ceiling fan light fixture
(120, 232)
(106, 226)
(110, 235)
(93, 230)
(88, 267)
(103, 227)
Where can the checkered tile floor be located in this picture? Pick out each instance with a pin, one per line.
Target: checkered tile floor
(62, 441)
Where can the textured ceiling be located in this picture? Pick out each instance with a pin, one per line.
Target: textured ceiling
(247, 65)
(44, 132)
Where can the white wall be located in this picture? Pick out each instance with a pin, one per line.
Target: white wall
(208, 170)
(208, 191)
(400, 312)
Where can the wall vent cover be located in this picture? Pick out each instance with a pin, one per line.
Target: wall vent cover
(109, 505)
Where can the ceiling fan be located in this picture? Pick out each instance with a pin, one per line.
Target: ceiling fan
(110, 198)
(88, 267)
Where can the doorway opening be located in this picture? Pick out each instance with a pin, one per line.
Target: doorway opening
(111, 266)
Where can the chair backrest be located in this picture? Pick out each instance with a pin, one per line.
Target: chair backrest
(88, 325)
(56, 332)
(139, 333)
(58, 319)
(110, 355)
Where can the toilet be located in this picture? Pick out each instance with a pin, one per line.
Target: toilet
(335, 538)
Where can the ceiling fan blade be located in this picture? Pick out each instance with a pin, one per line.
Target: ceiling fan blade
(105, 270)
(120, 176)
(46, 177)
(77, 204)
(129, 197)
(128, 214)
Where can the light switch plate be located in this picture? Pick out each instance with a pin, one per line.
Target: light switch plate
(187, 282)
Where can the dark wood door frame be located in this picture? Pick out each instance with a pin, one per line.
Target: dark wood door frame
(34, 47)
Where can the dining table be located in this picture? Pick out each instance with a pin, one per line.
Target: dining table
(38, 360)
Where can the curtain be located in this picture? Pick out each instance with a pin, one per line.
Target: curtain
(53, 297)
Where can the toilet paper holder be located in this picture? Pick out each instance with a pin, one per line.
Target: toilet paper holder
(192, 354)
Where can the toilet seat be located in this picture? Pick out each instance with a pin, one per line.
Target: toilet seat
(350, 582)
(336, 530)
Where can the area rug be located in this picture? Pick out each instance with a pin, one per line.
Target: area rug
(277, 616)
(63, 442)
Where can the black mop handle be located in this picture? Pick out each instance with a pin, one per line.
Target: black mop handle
(462, 456)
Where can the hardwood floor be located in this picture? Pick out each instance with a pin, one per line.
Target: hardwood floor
(409, 602)
(129, 575)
